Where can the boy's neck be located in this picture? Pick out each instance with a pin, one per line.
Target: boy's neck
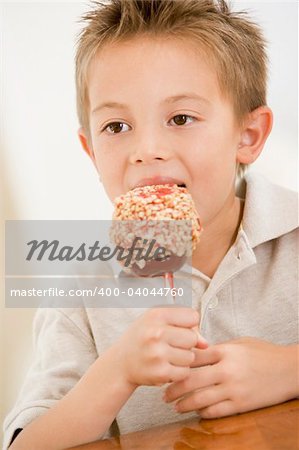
(217, 238)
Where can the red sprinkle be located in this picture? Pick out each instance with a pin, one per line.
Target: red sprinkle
(164, 191)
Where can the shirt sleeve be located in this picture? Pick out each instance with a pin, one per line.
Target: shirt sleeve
(63, 350)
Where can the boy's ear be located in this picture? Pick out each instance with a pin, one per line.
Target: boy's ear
(255, 131)
(86, 146)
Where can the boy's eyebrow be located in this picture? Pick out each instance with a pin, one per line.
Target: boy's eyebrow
(187, 96)
(172, 99)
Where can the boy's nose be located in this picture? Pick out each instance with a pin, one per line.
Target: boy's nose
(146, 159)
(148, 151)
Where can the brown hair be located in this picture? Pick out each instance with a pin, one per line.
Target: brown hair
(234, 44)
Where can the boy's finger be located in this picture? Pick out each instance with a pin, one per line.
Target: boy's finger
(178, 373)
(204, 357)
(198, 379)
(180, 337)
(201, 343)
(180, 357)
(181, 317)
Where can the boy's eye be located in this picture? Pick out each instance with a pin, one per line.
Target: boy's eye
(116, 127)
(182, 119)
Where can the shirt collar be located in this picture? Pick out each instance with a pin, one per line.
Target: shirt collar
(270, 210)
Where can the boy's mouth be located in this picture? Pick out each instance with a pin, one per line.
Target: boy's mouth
(159, 180)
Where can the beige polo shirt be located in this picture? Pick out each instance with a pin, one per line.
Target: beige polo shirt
(254, 292)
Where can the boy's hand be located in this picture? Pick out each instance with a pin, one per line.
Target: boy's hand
(237, 376)
(157, 348)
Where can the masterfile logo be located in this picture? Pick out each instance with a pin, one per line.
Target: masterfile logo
(76, 264)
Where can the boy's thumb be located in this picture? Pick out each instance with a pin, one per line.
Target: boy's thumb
(202, 343)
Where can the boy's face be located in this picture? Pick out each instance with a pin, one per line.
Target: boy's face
(156, 111)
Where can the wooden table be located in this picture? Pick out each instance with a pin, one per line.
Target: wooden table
(274, 428)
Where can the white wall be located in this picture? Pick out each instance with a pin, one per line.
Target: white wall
(279, 19)
(46, 174)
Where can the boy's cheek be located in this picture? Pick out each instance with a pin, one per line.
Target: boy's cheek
(209, 197)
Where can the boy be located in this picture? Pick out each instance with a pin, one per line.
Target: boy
(174, 89)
